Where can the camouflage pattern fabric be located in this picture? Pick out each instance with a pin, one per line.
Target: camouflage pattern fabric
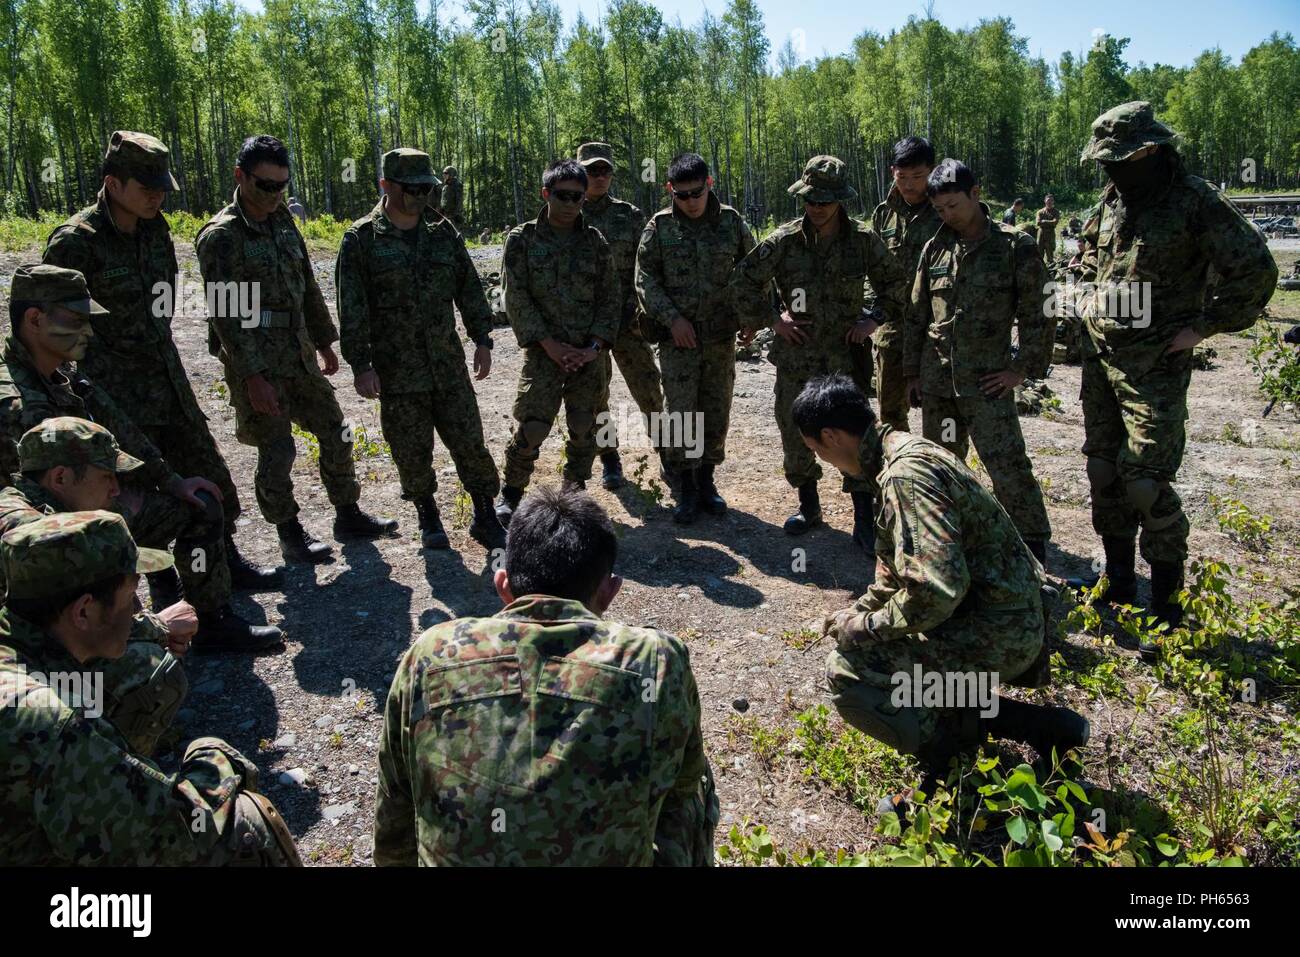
(905, 230)
(1046, 220)
(956, 589)
(1032, 396)
(543, 388)
(1134, 394)
(409, 420)
(828, 279)
(453, 199)
(544, 736)
(683, 268)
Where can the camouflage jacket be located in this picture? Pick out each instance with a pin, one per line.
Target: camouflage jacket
(27, 399)
(452, 199)
(620, 223)
(824, 282)
(684, 266)
(967, 302)
(1173, 241)
(295, 321)
(905, 230)
(560, 285)
(1046, 221)
(544, 735)
(944, 546)
(396, 299)
(132, 354)
(71, 791)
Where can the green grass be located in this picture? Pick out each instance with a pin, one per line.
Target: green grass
(18, 233)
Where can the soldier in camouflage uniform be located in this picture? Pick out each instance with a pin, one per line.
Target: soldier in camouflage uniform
(270, 359)
(1160, 226)
(49, 312)
(977, 278)
(906, 221)
(546, 735)
(72, 789)
(1011, 212)
(955, 590)
(452, 196)
(399, 271)
(1046, 220)
(123, 247)
(562, 297)
(683, 268)
(621, 224)
(821, 264)
(71, 465)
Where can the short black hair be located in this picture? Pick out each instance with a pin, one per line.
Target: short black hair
(951, 176)
(913, 151)
(559, 171)
(18, 308)
(262, 149)
(687, 168)
(44, 612)
(1019, 201)
(559, 543)
(832, 402)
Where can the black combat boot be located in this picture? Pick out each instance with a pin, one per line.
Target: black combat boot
(710, 500)
(864, 521)
(688, 497)
(1121, 577)
(432, 534)
(507, 502)
(351, 522)
(810, 510)
(486, 528)
(164, 589)
(1166, 583)
(224, 631)
(611, 476)
(246, 576)
(298, 545)
(1042, 727)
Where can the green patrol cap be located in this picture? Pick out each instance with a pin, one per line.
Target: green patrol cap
(1120, 132)
(68, 441)
(824, 180)
(142, 157)
(68, 550)
(37, 282)
(589, 154)
(405, 165)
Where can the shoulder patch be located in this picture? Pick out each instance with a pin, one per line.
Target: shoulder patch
(937, 272)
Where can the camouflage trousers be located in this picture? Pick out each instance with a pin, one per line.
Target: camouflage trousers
(800, 464)
(862, 676)
(1135, 434)
(197, 541)
(190, 449)
(891, 386)
(410, 420)
(636, 360)
(543, 388)
(994, 427)
(144, 689)
(1047, 244)
(307, 401)
(699, 380)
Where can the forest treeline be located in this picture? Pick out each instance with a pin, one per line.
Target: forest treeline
(505, 88)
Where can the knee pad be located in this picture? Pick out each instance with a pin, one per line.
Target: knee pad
(870, 711)
(1143, 494)
(143, 707)
(534, 433)
(1102, 473)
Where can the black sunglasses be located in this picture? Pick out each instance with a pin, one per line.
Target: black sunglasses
(829, 202)
(568, 195)
(690, 193)
(416, 189)
(270, 185)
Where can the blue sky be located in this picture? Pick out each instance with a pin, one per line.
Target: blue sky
(1162, 31)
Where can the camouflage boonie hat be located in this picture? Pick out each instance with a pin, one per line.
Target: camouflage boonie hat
(405, 165)
(589, 154)
(142, 157)
(70, 441)
(449, 171)
(823, 181)
(41, 283)
(1120, 132)
(67, 550)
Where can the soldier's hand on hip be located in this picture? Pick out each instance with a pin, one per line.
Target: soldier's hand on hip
(997, 384)
(1187, 338)
(683, 334)
(367, 384)
(187, 488)
(861, 331)
(329, 360)
(261, 395)
(789, 329)
(482, 362)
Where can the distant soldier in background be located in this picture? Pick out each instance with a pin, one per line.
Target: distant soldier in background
(1011, 212)
(1046, 220)
(299, 211)
(452, 202)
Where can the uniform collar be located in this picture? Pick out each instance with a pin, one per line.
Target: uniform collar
(15, 353)
(546, 229)
(547, 608)
(809, 231)
(37, 495)
(263, 227)
(382, 224)
(35, 644)
(600, 205)
(871, 453)
(711, 211)
(896, 202)
(142, 227)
